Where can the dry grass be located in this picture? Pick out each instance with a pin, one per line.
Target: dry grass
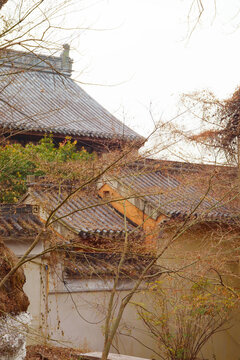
(43, 352)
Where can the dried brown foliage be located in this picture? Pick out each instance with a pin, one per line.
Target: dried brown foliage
(76, 172)
(12, 298)
(222, 118)
(3, 2)
(205, 135)
(40, 352)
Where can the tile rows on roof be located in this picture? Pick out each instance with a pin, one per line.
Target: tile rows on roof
(49, 102)
(83, 213)
(18, 209)
(95, 265)
(19, 221)
(175, 197)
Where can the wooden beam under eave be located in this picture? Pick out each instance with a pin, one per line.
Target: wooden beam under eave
(91, 144)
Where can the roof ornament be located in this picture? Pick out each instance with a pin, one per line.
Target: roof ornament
(66, 61)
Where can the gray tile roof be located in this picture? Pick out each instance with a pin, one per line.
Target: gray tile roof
(175, 196)
(94, 219)
(44, 101)
(92, 265)
(19, 220)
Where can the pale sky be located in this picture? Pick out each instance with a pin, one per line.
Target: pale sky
(148, 53)
(140, 53)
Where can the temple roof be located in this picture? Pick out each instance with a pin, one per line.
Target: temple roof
(37, 94)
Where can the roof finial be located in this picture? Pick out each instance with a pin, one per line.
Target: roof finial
(66, 61)
(66, 49)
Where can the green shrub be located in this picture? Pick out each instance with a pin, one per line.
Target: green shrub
(17, 161)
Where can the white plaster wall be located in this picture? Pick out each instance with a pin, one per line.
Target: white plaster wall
(224, 345)
(34, 289)
(77, 319)
(20, 245)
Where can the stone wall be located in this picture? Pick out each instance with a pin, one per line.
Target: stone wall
(13, 331)
(13, 306)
